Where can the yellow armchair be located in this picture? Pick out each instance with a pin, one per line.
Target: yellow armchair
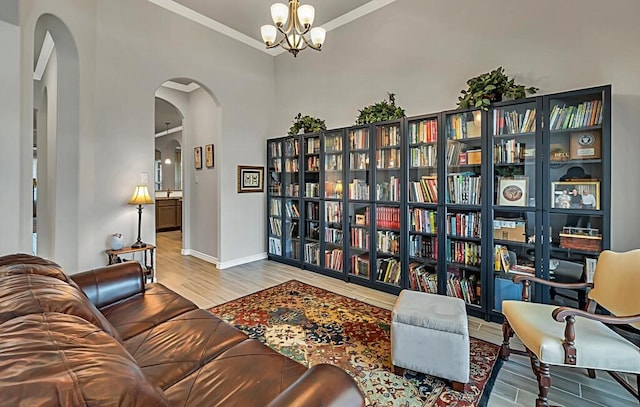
(565, 336)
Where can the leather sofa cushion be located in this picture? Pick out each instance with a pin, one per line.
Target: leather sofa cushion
(54, 359)
(143, 311)
(21, 263)
(179, 346)
(249, 374)
(32, 294)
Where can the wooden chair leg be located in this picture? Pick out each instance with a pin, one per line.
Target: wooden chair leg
(457, 386)
(544, 383)
(507, 334)
(591, 373)
(535, 364)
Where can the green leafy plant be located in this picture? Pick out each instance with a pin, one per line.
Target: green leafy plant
(307, 123)
(381, 111)
(491, 87)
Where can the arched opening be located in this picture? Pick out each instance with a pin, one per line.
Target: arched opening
(56, 142)
(193, 117)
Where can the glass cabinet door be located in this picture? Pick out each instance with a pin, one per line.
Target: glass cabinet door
(333, 236)
(274, 190)
(360, 240)
(463, 217)
(333, 167)
(291, 189)
(358, 174)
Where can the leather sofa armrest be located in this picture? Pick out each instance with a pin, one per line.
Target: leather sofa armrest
(322, 385)
(110, 284)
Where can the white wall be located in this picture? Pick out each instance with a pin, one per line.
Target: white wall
(124, 57)
(10, 133)
(425, 50)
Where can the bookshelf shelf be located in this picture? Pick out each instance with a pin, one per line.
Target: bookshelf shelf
(378, 207)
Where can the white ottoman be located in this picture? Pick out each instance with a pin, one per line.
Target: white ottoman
(430, 334)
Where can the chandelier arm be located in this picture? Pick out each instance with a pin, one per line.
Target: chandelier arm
(293, 17)
(309, 44)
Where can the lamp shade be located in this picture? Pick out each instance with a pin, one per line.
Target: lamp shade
(141, 196)
(279, 13)
(268, 34)
(318, 34)
(306, 13)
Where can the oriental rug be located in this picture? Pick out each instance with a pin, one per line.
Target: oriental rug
(312, 325)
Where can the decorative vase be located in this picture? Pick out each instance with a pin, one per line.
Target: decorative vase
(117, 241)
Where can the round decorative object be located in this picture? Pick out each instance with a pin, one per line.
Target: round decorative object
(117, 241)
(512, 193)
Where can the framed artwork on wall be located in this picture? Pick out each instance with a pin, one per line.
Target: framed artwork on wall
(197, 157)
(208, 155)
(250, 179)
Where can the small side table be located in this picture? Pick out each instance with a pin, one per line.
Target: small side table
(149, 270)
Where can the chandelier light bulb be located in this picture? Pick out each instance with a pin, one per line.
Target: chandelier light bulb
(268, 34)
(279, 13)
(295, 41)
(306, 14)
(318, 34)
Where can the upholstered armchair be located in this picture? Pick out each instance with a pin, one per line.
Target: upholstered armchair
(564, 336)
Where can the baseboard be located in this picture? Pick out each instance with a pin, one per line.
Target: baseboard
(242, 260)
(201, 256)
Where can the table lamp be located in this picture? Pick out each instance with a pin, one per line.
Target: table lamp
(140, 197)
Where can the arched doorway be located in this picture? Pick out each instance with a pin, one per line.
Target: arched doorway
(198, 129)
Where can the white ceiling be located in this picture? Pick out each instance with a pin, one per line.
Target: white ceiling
(247, 16)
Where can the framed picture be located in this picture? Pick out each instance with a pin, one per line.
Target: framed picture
(208, 155)
(197, 157)
(250, 179)
(575, 195)
(513, 191)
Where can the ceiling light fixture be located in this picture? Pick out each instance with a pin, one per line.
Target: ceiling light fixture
(298, 19)
(167, 160)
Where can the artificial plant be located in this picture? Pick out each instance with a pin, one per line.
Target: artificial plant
(381, 111)
(491, 87)
(307, 123)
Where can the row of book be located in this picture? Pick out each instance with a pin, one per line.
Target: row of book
(312, 253)
(387, 136)
(313, 145)
(311, 190)
(312, 211)
(467, 289)
(508, 152)
(292, 229)
(291, 209)
(388, 242)
(333, 236)
(291, 147)
(312, 230)
(388, 191)
(360, 265)
(275, 208)
(291, 165)
(389, 270)
(275, 226)
(275, 149)
(313, 163)
(388, 159)
(464, 224)
(460, 127)
(425, 190)
(333, 259)
(422, 278)
(333, 144)
(333, 189)
(425, 247)
(333, 212)
(424, 156)
(422, 221)
(275, 188)
(464, 188)
(275, 246)
(292, 249)
(359, 189)
(292, 190)
(333, 162)
(358, 139)
(467, 253)
(358, 161)
(425, 131)
(513, 122)
(388, 217)
(360, 238)
(585, 114)
(276, 165)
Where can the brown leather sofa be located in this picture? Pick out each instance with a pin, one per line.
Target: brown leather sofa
(104, 338)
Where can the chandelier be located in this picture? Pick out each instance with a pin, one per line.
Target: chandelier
(298, 20)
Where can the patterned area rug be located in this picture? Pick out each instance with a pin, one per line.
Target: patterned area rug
(312, 325)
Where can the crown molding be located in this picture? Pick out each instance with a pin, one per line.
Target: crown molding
(194, 16)
(43, 59)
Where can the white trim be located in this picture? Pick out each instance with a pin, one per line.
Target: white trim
(243, 260)
(43, 58)
(194, 16)
(182, 88)
(171, 131)
(201, 256)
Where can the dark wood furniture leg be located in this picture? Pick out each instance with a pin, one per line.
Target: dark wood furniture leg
(507, 334)
(398, 370)
(457, 386)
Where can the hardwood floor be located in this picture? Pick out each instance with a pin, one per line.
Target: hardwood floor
(207, 286)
